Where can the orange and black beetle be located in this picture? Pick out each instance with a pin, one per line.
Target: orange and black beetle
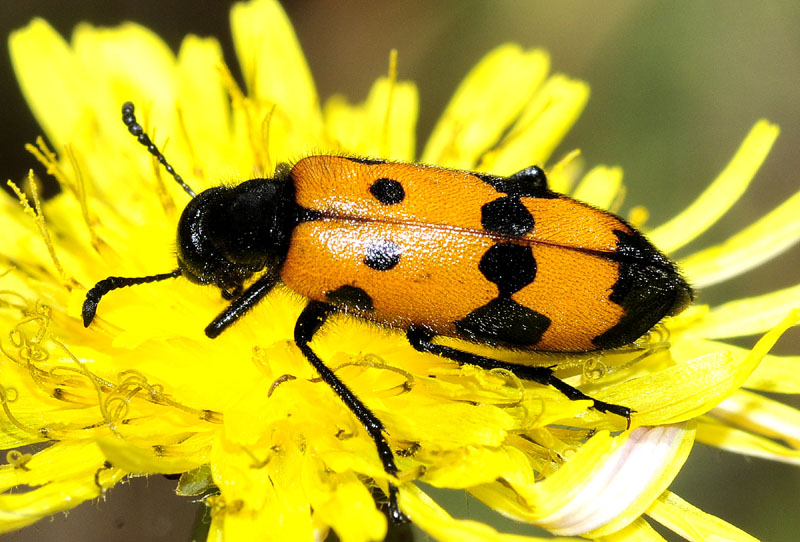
(501, 261)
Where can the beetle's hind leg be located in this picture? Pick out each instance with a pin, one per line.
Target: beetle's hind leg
(422, 339)
(308, 323)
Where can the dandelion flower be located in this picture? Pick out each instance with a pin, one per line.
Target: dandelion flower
(243, 418)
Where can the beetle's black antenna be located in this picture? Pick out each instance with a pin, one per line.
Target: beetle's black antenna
(100, 289)
(136, 129)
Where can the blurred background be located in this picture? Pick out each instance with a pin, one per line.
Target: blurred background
(675, 88)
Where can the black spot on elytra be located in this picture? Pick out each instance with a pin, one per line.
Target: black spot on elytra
(387, 191)
(350, 297)
(511, 267)
(648, 288)
(507, 216)
(503, 321)
(365, 161)
(531, 182)
(382, 255)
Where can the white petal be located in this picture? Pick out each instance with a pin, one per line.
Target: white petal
(631, 473)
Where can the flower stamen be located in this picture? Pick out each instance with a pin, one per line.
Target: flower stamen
(49, 160)
(38, 217)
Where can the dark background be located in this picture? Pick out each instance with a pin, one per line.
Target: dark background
(675, 88)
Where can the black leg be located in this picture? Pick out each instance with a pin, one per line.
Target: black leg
(309, 322)
(422, 339)
(249, 298)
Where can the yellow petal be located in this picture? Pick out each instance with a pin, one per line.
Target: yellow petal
(206, 119)
(754, 245)
(276, 72)
(439, 525)
(697, 384)
(51, 79)
(725, 437)
(726, 189)
(478, 465)
(146, 460)
(747, 316)
(543, 124)
(600, 187)
(61, 476)
(129, 62)
(482, 109)
(260, 493)
(348, 507)
(216, 531)
(638, 531)
(692, 524)
(478, 424)
(777, 374)
(384, 126)
(563, 174)
(761, 415)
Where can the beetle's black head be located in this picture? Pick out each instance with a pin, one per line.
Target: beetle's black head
(226, 234)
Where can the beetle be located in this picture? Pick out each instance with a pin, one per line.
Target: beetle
(499, 261)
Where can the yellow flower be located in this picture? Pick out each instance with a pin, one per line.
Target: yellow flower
(244, 416)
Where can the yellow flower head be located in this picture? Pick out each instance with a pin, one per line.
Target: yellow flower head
(244, 417)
